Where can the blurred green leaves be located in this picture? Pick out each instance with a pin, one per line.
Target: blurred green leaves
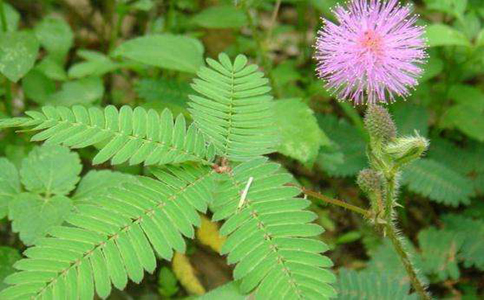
(9, 185)
(8, 256)
(18, 52)
(173, 52)
(56, 36)
(444, 35)
(225, 16)
(301, 135)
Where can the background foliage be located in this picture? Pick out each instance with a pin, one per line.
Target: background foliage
(145, 53)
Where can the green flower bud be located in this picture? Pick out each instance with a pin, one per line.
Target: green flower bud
(379, 124)
(406, 149)
(369, 181)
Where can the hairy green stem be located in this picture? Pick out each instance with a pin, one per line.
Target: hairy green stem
(391, 232)
(389, 198)
(336, 202)
(407, 263)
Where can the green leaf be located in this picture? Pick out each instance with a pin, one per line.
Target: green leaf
(466, 94)
(301, 136)
(174, 52)
(371, 285)
(32, 215)
(52, 68)
(55, 36)
(143, 5)
(114, 239)
(224, 16)
(443, 35)
(349, 145)
(38, 87)
(9, 185)
(96, 64)
(468, 118)
(452, 7)
(432, 68)
(123, 135)
(234, 109)
(12, 17)
(472, 233)
(82, 91)
(409, 117)
(465, 161)
(480, 39)
(51, 169)
(97, 183)
(266, 231)
(165, 91)
(434, 180)
(439, 253)
(8, 256)
(167, 283)
(18, 52)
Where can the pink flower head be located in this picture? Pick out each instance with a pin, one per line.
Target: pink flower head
(374, 52)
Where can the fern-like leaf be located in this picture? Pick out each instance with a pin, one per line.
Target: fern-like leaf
(354, 285)
(128, 135)
(439, 253)
(269, 234)
(113, 239)
(234, 109)
(472, 233)
(441, 184)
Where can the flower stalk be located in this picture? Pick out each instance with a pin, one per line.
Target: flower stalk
(387, 154)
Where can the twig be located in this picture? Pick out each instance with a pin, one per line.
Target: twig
(274, 18)
(336, 202)
(407, 263)
(391, 231)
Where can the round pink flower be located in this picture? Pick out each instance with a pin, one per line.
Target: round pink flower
(374, 52)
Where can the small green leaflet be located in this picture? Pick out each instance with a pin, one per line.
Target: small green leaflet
(18, 52)
(51, 169)
(174, 52)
